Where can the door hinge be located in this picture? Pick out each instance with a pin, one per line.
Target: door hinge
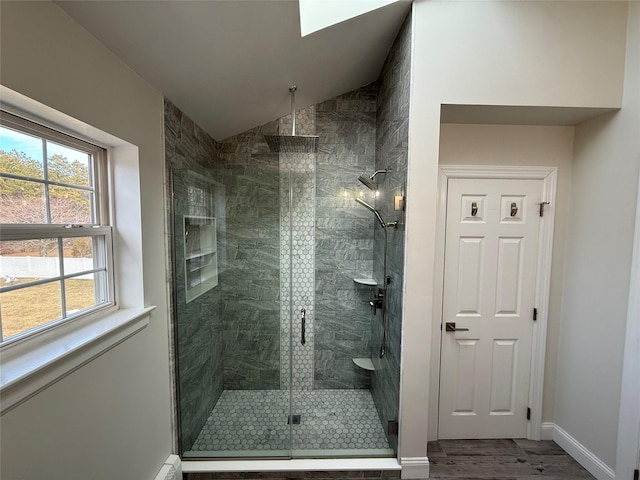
(636, 474)
(528, 413)
(542, 204)
(392, 428)
(535, 314)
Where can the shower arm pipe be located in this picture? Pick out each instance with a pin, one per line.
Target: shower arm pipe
(292, 90)
(377, 214)
(383, 343)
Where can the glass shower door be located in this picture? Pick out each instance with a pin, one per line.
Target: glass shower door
(234, 398)
(330, 243)
(298, 290)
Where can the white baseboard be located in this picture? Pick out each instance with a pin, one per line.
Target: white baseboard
(584, 457)
(171, 470)
(414, 467)
(546, 431)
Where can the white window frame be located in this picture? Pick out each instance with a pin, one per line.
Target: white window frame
(99, 228)
(37, 361)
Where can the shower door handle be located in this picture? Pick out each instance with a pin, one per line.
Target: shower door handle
(304, 326)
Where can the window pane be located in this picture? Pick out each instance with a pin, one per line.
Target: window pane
(22, 202)
(80, 293)
(28, 260)
(68, 165)
(78, 255)
(55, 186)
(29, 308)
(20, 154)
(70, 205)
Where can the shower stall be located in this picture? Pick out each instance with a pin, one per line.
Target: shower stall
(287, 266)
(287, 271)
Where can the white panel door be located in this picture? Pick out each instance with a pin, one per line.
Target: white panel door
(491, 252)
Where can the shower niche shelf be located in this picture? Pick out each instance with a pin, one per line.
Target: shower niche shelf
(200, 255)
(366, 281)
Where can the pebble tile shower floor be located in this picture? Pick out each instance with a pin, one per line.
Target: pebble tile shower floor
(256, 422)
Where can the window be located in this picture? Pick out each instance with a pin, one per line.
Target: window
(55, 238)
(47, 350)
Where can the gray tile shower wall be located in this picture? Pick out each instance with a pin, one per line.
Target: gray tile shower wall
(189, 154)
(392, 135)
(346, 126)
(250, 277)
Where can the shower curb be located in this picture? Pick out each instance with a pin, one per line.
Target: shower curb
(375, 468)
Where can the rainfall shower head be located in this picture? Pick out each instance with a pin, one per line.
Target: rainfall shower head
(370, 184)
(377, 214)
(370, 180)
(292, 143)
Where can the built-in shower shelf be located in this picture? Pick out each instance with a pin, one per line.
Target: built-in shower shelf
(366, 281)
(364, 363)
(200, 255)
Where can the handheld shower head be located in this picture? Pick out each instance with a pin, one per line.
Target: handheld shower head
(369, 181)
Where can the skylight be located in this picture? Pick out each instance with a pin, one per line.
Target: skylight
(318, 14)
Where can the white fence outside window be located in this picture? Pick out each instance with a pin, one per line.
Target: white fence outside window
(43, 267)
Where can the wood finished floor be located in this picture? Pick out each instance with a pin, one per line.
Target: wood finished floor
(502, 460)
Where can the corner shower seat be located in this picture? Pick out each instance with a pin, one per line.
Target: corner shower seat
(364, 363)
(366, 281)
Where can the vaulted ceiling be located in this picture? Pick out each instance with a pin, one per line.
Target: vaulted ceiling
(228, 64)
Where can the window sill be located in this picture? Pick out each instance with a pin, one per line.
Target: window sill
(30, 366)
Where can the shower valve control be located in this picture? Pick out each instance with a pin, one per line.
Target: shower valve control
(377, 301)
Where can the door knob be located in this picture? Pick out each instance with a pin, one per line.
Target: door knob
(451, 327)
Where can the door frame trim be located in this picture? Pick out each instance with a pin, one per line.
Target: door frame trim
(549, 176)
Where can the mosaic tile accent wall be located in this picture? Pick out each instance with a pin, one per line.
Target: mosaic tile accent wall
(297, 171)
(344, 238)
(189, 153)
(392, 136)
